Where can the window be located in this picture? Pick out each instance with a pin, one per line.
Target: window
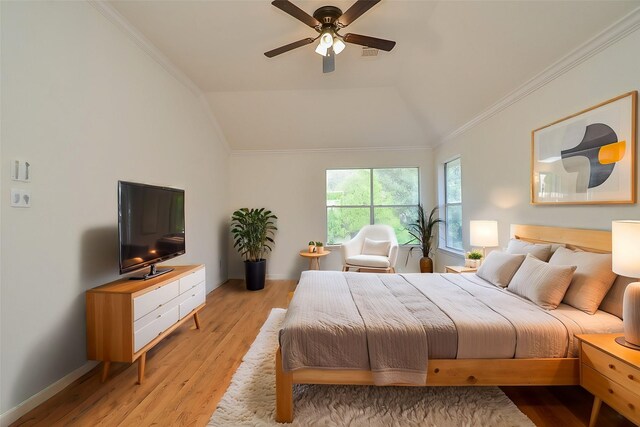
(358, 197)
(453, 204)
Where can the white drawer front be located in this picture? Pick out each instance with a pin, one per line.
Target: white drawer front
(155, 314)
(197, 296)
(190, 281)
(145, 335)
(148, 302)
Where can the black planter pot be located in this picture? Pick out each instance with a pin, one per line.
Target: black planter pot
(255, 273)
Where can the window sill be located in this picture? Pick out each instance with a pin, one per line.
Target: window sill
(452, 252)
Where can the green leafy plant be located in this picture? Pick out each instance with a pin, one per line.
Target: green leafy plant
(312, 243)
(423, 230)
(474, 255)
(253, 231)
(319, 244)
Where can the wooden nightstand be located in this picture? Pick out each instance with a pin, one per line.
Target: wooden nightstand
(611, 373)
(459, 269)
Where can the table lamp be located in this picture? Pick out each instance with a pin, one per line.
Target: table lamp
(626, 262)
(483, 234)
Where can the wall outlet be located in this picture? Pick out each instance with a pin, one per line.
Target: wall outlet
(20, 198)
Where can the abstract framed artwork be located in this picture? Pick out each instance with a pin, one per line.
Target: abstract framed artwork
(588, 157)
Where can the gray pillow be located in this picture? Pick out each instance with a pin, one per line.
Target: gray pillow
(499, 267)
(591, 281)
(538, 250)
(612, 302)
(542, 283)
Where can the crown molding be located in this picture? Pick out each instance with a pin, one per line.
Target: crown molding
(238, 153)
(116, 18)
(612, 34)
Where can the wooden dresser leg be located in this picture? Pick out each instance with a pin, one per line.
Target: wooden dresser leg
(196, 319)
(284, 392)
(597, 403)
(142, 361)
(105, 370)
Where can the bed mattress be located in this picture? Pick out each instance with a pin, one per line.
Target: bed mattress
(392, 324)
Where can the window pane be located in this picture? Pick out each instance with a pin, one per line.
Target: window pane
(344, 223)
(398, 218)
(453, 182)
(397, 186)
(348, 187)
(454, 227)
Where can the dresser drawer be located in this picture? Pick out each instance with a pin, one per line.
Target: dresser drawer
(155, 314)
(145, 335)
(197, 296)
(190, 281)
(148, 302)
(611, 367)
(618, 397)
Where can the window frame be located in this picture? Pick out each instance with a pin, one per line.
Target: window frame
(446, 205)
(371, 204)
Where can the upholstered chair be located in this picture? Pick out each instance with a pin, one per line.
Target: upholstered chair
(374, 248)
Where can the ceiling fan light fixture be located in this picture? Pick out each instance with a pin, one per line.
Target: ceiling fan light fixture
(321, 50)
(338, 45)
(326, 39)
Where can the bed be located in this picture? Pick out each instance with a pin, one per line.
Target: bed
(431, 329)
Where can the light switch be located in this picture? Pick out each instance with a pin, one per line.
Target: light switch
(20, 170)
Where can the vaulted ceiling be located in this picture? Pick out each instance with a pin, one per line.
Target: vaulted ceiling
(453, 59)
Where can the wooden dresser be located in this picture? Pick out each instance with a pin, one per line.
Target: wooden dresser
(611, 373)
(126, 318)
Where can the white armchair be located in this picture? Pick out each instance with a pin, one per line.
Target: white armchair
(377, 254)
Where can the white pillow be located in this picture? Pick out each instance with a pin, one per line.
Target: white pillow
(538, 250)
(499, 267)
(376, 247)
(544, 284)
(592, 280)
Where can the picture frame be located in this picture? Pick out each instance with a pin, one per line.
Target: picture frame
(588, 157)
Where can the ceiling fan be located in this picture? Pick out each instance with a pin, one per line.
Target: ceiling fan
(328, 21)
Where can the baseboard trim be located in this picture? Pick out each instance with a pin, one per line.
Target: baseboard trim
(18, 411)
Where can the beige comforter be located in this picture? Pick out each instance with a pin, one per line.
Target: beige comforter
(392, 324)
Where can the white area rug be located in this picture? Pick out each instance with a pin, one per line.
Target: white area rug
(250, 399)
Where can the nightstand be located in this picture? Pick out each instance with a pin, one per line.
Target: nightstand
(611, 373)
(459, 269)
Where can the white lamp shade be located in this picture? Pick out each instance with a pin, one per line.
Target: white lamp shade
(483, 233)
(625, 239)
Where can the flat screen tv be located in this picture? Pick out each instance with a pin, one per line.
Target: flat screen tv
(150, 226)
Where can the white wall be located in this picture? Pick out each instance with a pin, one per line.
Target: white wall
(292, 184)
(496, 153)
(87, 107)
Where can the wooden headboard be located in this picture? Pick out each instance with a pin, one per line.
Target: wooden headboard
(573, 238)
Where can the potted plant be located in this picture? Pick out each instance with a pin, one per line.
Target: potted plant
(423, 230)
(320, 247)
(253, 231)
(473, 259)
(312, 247)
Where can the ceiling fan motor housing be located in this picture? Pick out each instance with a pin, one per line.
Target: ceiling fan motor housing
(327, 15)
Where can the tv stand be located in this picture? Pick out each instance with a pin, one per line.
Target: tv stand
(127, 318)
(153, 272)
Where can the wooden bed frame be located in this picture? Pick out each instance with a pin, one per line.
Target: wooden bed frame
(464, 372)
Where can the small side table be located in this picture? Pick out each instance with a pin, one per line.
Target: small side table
(459, 269)
(314, 258)
(611, 373)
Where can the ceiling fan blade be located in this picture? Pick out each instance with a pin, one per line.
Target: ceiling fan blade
(293, 10)
(356, 10)
(329, 61)
(288, 47)
(381, 44)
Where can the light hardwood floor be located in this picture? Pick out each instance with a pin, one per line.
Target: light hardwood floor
(189, 371)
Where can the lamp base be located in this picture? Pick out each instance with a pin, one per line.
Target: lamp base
(625, 343)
